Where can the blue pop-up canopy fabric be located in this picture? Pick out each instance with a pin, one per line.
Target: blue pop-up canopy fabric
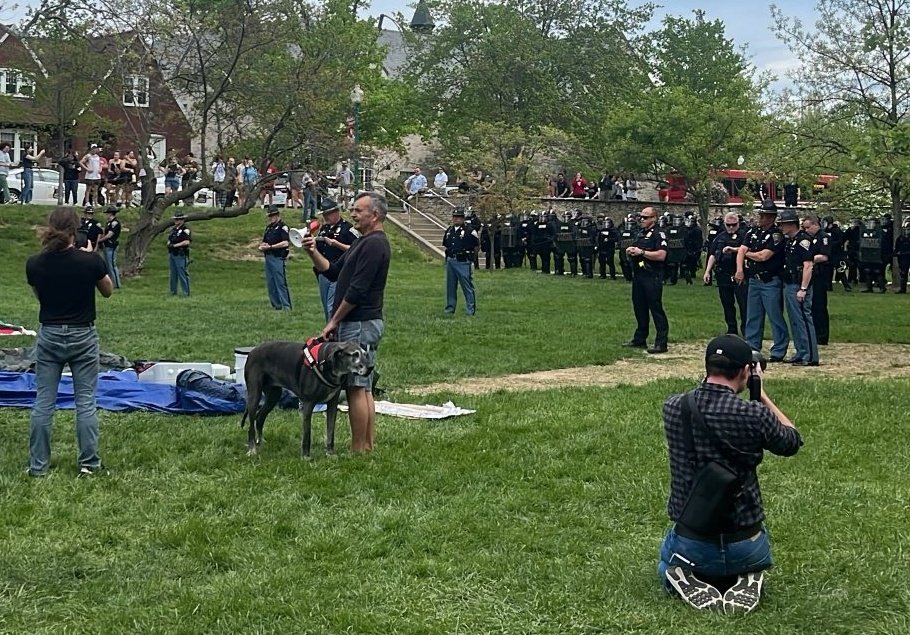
(120, 391)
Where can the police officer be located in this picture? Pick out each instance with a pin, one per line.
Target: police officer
(486, 244)
(627, 238)
(178, 248)
(647, 255)
(721, 266)
(837, 264)
(693, 241)
(473, 221)
(797, 274)
(902, 251)
(496, 229)
(335, 236)
(275, 243)
(761, 260)
(566, 249)
(606, 247)
(460, 242)
(821, 277)
(542, 238)
(871, 259)
(90, 227)
(586, 242)
(109, 241)
(715, 227)
(851, 249)
(525, 227)
(511, 246)
(676, 247)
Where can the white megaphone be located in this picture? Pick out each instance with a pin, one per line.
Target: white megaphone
(297, 235)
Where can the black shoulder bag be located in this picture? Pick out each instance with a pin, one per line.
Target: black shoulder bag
(716, 484)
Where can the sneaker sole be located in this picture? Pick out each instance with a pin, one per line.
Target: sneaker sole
(743, 597)
(694, 592)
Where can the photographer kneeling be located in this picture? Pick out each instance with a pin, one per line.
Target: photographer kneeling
(715, 442)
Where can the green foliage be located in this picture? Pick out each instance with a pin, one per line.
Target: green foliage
(701, 112)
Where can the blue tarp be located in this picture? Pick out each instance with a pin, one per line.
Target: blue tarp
(120, 391)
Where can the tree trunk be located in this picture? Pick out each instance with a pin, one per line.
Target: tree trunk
(897, 219)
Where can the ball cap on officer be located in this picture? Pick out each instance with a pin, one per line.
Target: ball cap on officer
(327, 206)
(729, 351)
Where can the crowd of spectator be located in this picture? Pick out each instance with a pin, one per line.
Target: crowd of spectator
(619, 187)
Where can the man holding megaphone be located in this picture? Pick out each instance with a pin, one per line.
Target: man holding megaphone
(333, 238)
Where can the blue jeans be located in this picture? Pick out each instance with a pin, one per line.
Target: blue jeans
(70, 188)
(326, 295)
(714, 560)
(766, 298)
(801, 325)
(459, 273)
(276, 281)
(179, 265)
(309, 203)
(57, 346)
(368, 334)
(110, 257)
(28, 185)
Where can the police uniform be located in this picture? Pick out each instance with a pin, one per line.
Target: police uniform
(798, 255)
(851, 250)
(344, 233)
(606, 248)
(647, 291)
(821, 281)
(586, 242)
(627, 238)
(110, 245)
(902, 251)
(276, 279)
(693, 241)
(765, 288)
(872, 255)
(731, 294)
(91, 228)
(676, 233)
(179, 257)
(542, 237)
(566, 248)
(460, 241)
(524, 241)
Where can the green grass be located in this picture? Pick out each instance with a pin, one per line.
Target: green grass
(542, 513)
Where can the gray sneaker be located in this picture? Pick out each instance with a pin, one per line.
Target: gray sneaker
(744, 595)
(86, 471)
(694, 592)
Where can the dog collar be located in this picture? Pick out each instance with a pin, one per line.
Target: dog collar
(311, 359)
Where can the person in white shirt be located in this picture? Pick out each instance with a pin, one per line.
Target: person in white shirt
(91, 163)
(415, 183)
(344, 179)
(441, 180)
(5, 164)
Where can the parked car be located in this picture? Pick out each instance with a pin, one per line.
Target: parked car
(45, 185)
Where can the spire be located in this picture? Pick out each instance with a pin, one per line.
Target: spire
(422, 22)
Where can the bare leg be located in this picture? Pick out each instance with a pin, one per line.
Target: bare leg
(361, 413)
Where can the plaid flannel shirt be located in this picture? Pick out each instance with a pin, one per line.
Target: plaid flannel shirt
(746, 429)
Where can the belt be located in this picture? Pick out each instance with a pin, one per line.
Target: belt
(735, 536)
(80, 325)
(460, 257)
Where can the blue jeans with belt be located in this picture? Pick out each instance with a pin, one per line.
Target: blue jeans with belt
(276, 281)
(56, 347)
(459, 273)
(715, 559)
(766, 298)
(801, 325)
(179, 265)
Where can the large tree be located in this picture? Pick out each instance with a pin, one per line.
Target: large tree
(855, 73)
(701, 112)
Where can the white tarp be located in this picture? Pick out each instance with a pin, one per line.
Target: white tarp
(414, 411)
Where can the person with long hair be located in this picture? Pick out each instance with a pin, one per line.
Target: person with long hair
(29, 158)
(64, 279)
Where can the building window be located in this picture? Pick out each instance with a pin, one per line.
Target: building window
(136, 91)
(16, 84)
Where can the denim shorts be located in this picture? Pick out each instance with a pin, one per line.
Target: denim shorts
(174, 184)
(367, 334)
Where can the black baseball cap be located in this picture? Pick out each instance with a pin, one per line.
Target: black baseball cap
(730, 351)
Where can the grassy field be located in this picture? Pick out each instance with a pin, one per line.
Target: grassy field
(542, 513)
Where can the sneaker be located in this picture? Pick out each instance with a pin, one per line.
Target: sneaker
(30, 472)
(743, 596)
(91, 470)
(694, 592)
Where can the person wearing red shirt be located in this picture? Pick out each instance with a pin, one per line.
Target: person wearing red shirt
(579, 186)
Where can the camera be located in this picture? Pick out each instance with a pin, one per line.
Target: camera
(758, 360)
(81, 239)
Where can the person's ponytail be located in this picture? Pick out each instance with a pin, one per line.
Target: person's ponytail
(60, 232)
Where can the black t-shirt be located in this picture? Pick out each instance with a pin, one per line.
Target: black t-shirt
(361, 273)
(65, 282)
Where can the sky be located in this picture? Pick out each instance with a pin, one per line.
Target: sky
(748, 23)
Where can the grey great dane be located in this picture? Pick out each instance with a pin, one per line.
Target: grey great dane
(315, 372)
